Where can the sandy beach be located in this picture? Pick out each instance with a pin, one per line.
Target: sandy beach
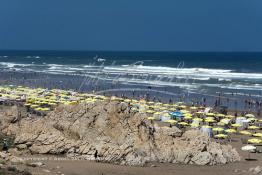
(50, 116)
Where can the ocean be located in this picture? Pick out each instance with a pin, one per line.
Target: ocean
(225, 74)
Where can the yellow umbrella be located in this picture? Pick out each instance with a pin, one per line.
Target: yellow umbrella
(245, 133)
(127, 100)
(206, 126)
(150, 111)
(253, 127)
(220, 115)
(221, 136)
(34, 106)
(194, 125)
(171, 121)
(235, 125)
(250, 115)
(45, 109)
(230, 131)
(210, 114)
(256, 141)
(150, 102)
(193, 108)
(210, 120)
(157, 113)
(230, 116)
(258, 135)
(188, 117)
(199, 112)
(151, 118)
(218, 129)
(221, 124)
(184, 111)
(182, 106)
(183, 123)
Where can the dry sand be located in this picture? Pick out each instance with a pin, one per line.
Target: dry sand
(82, 167)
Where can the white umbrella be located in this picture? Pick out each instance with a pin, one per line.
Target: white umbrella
(248, 148)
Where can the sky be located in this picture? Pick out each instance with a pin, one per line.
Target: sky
(131, 25)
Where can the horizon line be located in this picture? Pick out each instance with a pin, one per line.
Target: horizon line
(63, 50)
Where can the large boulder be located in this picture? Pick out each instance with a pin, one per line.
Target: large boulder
(111, 132)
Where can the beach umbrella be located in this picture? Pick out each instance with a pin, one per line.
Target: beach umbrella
(253, 127)
(176, 114)
(235, 125)
(210, 114)
(252, 119)
(230, 116)
(151, 118)
(170, 121)
(199, 112)
(206, 126)
(182, 107)
(230, 131)
(34, 106)
(150, 102)
(221, 124)
(257, 134)
(245, 133)
(184, 111)
(27, 104)
(157, 113)
(194, 125)
(188, 117)
(218, 129)
(248, 148)
(150, 111)
(183, 123)
(225, 120)
(250, 115)
(193, 108)
(210, 120)
(254, 141)
(221, 136)
(127, 100)
(220, 115)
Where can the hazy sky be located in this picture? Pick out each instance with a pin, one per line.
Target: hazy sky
(175, 25)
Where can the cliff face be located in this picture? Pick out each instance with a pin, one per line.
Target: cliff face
(111, 132)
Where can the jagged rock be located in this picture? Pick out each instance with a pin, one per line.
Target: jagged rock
(110, 132)
(16, 160)
(21, 146)
(35, 164)
(256, 170)
(202, 158)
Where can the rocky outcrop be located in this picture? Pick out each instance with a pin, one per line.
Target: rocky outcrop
(111, 132)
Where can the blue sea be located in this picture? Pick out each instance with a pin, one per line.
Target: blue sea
(203, 73)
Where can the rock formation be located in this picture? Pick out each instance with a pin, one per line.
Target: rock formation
(111, 132)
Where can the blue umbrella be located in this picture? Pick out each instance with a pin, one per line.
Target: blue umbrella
(176, 114)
